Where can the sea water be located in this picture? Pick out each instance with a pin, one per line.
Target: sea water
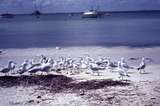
(136, 29)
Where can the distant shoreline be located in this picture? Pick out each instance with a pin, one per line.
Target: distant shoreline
(109, 46)
(103, 12)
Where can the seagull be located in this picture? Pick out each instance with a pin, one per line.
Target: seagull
(43, 59)
(111, 65)
(102, 61)
(142, 65)
(23, 68)
(11, 66)
(122, 73)
(34, 64)
(34, 70)
(95, 68)
(44, 67)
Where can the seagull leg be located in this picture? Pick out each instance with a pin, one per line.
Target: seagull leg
(120, 77)
(140, 71)
(144, 71)
(42, 73)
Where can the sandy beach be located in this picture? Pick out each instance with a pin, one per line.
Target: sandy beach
(82, 89)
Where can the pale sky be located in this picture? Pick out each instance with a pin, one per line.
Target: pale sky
(51, 6)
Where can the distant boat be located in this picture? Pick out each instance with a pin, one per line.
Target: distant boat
(7, 15)
(91, 14)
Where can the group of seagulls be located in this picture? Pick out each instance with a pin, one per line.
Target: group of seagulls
(72, 66)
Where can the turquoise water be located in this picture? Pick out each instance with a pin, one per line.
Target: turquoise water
(120, 29)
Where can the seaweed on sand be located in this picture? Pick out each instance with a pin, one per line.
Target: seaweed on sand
(57, 83)
(97, 84)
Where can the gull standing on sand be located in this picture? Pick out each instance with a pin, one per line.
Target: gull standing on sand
(11, 67)
(34, 64)
(122, 73)
(44, 67)
(125, 66)
(102, 61)
(111, 65)
(24, 67)
(95, 68)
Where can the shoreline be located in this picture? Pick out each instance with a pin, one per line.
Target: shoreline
(94, 51)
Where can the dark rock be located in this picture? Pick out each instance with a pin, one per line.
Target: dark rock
(30, 101)
(39, 97)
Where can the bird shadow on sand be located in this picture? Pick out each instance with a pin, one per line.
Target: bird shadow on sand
(57, 83)
(146, 73)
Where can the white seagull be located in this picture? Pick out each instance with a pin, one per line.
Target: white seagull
(111, 65)
(11, 66)
(95, 68)
(122, 73)
(24, 67)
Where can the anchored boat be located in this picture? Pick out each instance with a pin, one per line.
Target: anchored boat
(91, 14)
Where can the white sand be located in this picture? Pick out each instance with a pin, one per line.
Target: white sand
(146, 93)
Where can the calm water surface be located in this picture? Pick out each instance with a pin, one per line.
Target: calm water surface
(119, 29)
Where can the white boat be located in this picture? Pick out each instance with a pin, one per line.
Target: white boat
(91, 14)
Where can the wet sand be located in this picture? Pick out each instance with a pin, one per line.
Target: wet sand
(83, 89)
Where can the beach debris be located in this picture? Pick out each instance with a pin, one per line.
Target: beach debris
(134, 58)
(82, 92)
(56, 83)
(39, 97)
(0, 52)
(31, 101)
